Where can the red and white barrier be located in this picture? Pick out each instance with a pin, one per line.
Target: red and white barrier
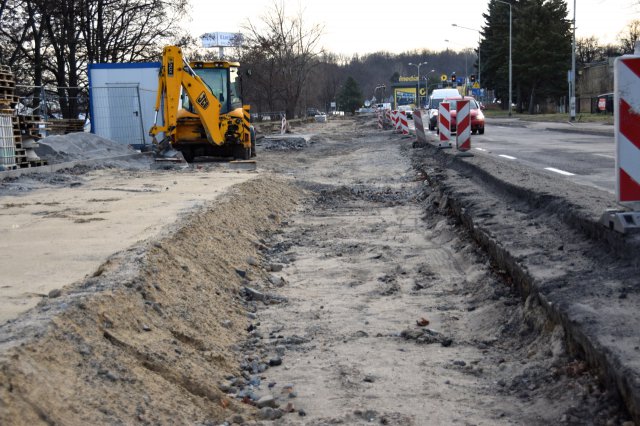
(394, 120)
(444, 125)
(627, 119)
(284, 127)
(626, 73)
(387, 118)
(417, 120)
(463, 125)
(404, 123)
(380, 120)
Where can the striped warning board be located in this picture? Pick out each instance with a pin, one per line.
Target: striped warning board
(444, 125)
(417, 119)
(627, 119)
(404, 124)
(463, 125)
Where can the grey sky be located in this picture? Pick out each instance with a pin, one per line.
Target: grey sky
(373, 25)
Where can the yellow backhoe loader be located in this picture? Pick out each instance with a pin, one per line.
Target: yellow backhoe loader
(202, 110)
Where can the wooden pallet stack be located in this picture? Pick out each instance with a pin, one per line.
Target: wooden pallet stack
(25, 129)
(9, 132)
(64, 126)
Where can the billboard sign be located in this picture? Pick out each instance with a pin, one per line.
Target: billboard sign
(218, 39)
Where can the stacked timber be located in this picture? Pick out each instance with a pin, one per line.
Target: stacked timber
(64, 126)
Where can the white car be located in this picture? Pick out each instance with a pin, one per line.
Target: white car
(434, 102)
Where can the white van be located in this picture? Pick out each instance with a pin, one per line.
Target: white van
(434, 102)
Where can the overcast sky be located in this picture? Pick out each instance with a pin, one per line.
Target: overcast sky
(358, 26)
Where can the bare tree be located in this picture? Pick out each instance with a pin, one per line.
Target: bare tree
(287, 50)
(54, 41)
(588, 50)
(629, 35)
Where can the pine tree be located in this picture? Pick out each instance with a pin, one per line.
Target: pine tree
(541, 50)
(350, 98)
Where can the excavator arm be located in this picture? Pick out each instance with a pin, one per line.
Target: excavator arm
(176, 74)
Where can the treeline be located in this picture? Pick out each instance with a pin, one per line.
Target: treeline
(52, 42)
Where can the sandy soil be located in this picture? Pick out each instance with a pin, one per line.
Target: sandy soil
(82, 220)
(329, 288)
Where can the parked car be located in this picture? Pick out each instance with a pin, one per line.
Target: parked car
(312, 112)
(407, 109)
(477, 117)
(434, 103)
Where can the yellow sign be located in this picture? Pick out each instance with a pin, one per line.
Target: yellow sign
(476, 85)
(423, 91)
(444, 77)
(403, 79)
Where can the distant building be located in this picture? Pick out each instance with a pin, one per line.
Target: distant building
(594, 79)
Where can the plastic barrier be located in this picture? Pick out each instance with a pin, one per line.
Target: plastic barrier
(404, 124)
(396, 121)
(463, 125)
(380, 125)
(444, 125)
(627, 112)
(387, 119)
(417, 120)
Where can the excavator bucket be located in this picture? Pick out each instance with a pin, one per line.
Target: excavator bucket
(164, 152)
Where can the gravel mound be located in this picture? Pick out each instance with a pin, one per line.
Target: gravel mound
(79, 146)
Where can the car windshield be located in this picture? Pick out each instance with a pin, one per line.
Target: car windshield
(452, 104)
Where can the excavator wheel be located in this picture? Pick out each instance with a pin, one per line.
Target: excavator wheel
(188, 154)
(241, 153)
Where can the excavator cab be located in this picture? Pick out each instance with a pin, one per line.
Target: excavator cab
(222, 78)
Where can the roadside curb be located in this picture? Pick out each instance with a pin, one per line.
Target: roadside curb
(616, 371)
(593, 129)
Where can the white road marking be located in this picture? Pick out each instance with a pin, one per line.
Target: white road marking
(562, 172)
(606, 156)
(507, 156)
(480, 149)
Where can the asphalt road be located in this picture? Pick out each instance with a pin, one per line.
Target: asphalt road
(581, 156)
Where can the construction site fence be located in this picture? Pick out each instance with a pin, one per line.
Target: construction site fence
(267, 116)
(52, 101)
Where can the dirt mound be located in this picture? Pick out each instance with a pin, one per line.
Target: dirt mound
(79, 146)
(151, 334)
(283, 143)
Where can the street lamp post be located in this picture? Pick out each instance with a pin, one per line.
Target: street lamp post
(510, 63)
(479, 39)
(572, 84)
(418, 91)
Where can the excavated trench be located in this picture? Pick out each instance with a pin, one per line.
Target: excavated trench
(320, 283)
(581, 273)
